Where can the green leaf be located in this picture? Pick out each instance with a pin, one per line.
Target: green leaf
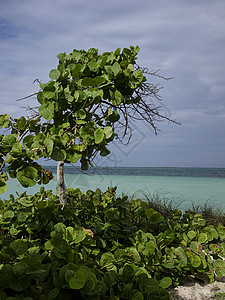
(40, 97)
(165, 282)
(78, 281)
(128, 271)
(9, 159)
(58, 154)
(19, 246)
(87, 81)
(48, 245)
(21, 123)
(211, 233)
(104, 151)
(202, 238)
(108, 131)
(219, 267)
(107, 258)
(118, 98)
(169, 235)
(26, 177)
(98, 81)
(54, 74)
(72, 155)
(8, 140)
(47, 110)
(76, 70)
(90, 284)
(99, 135)
(48, 95)
(221, 231)
(53, 294)
(4, 121)
(20, 284)
(150, 247)
(196, 261)
(117, 52)
(39, 137)
(164, 295)
(22, 215)
(148, 285)
(133, 251)
(109, 71)
(13, 230)
(61, 56)
(194, 247)
(60, 244)
(80, 236)
(28, 141)
(137, 296)
(8, 214)
(80, 114)
(93, 66)
(48, 142)
(16, 148)
(116, 68)
(30, 172)
(181, 255)
(191, 234)
(3, 187)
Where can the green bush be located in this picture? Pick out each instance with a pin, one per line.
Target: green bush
(102, 247)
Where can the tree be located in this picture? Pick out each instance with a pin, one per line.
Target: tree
(89, 101)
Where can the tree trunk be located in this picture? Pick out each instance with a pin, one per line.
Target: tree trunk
(61, 184)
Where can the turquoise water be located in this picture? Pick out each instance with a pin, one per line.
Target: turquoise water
(178, 184)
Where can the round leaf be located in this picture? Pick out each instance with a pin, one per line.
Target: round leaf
(194, 247)
(128, 271)
(4, 121)
(8, 214)
(48, 142)
(8, 140)
(108, 131)
(202, 238)
(24, 180)
(107, 258)
(137, 296)
(54, 74)
(46, 110)
(99, 135)
(219, 266)
(17, 148)
(79, 280)
(80, 114)
(191, 234)
(20, 284)
(21, 123)
(30, 172)
(165, 282)
(58, 154)
(197, 261)
(19, 246)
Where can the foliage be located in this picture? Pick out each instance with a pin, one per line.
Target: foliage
(102, 247)
(90, 100)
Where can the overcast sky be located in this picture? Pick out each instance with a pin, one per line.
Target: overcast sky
(184, 39)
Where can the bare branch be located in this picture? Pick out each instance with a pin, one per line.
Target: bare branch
(27, 97)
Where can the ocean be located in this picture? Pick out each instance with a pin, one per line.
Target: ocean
(184, 186)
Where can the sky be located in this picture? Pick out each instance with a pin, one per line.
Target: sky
(184, 39)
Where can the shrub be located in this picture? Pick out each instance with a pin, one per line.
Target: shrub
(102, 247)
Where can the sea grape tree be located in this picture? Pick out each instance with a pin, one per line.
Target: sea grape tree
(90, 100)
